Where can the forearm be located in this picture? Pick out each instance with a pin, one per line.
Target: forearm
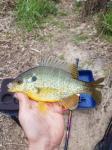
(36, 147)
(41, 145)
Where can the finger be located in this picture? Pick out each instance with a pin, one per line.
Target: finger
(24, 102)
(56, 108)
(34, 103)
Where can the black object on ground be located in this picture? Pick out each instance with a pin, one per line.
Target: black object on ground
(8, 103)
(106, 142)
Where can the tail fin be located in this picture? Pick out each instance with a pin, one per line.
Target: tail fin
(97, 83)
(97, 95)
(93, 86)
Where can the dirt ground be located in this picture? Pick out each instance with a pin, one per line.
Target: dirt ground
(68, 38)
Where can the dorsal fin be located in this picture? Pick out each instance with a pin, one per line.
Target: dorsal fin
(55, 62)
(74, 71)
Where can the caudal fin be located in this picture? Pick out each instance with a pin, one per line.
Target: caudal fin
(97, 95)
(94, 89)
(97, 83)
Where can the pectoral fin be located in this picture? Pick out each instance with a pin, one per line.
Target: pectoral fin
(70, 102)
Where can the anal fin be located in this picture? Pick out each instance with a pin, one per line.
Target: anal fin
(70, 102)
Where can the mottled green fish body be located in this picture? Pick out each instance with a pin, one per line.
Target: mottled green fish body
(50, 83)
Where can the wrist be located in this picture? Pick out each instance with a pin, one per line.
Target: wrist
(42, 144)
(39, 145)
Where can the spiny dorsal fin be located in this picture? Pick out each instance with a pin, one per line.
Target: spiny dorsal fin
(70, 102)
(53, 61)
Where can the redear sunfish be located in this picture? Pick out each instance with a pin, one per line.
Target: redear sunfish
(54, 81)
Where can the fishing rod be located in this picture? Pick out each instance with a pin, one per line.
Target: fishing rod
(69, 123)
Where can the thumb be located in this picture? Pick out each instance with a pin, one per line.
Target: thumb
(24, 102)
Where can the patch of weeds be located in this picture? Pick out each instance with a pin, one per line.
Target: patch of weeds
(62, 13)
(58, 24)
(31, 13)
(45, 38)
(104, 25)
(107, 37)
(51, 20)
(78, 5)
(80, 38)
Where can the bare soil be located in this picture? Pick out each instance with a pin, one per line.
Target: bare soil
(68, 38)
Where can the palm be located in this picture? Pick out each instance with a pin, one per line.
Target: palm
(36, 124)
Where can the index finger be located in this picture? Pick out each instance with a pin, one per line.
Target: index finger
(24, 102)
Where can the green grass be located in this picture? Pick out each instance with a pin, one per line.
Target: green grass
(78, 5)
(107, 37)
(105, 23)
(31, 13)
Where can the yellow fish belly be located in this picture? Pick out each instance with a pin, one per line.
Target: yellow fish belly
(43, 95)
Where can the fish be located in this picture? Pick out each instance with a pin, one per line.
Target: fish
(54, 81)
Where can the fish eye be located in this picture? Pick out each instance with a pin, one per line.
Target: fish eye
(34, 78)
(19, 81)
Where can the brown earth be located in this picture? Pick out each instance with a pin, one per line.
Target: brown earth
(68, 38)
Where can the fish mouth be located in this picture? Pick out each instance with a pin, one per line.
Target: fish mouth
(12, 88)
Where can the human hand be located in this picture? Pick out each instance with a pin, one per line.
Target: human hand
(43, 130)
